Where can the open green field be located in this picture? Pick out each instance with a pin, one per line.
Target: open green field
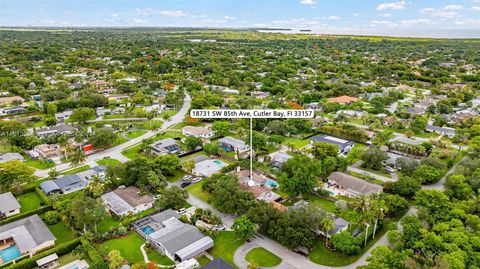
(132, 152)
(196, 190)
(129, 247)
(262, 257)
(157, 258)
(296, 142)
(135, 133)
(29, 201)
(62, 232)
(109, 161)
(39, 164)
(177, 176)
(226, 243)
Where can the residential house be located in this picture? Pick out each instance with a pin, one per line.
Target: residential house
(11, 100)
(26, 236)
(48, 262)
(344, 146)
(61, 116)
(353, 113)
(165, 146)
(9, 205)
(71, 183)
(217, 263)
(201, 132)
(45, 151)
(13, 110)
(261, 193)
(55, 130)
(314, 106)
(125, 201)
(208, 167)
(447, 131)
(343, 100)
(229, 143)
(10, 156)
(351, 186)
(278, 158)
(171, 237)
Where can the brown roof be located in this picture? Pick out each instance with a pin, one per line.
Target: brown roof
(354, 184)
(279, 206)
(255, 190)
(132, 197)
(10, 99)
(344, 99)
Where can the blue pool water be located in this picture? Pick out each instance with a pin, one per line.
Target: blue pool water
(10, 253)
(74, 267)
(271, 183)
(218, 163)
(147, 230)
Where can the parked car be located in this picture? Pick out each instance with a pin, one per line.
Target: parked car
(220, 227)
(182, 211)
(389, 169)
(185, 184)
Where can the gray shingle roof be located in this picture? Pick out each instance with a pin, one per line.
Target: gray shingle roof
(49, 186)
(11, 156)
(8, 202)
(354, 184)
(218, 263)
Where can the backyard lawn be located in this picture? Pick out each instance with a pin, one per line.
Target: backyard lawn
(226, 243)
(29, 201)
(298, 143)
(39, 164)
(108, 161)
(196, 190)
(262, 257)
(156, 257)
(76, 170)
(129, 247)
(62, 232)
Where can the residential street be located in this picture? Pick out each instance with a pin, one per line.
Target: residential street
(115, 152)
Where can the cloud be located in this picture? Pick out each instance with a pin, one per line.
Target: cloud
(331, 18)
(383, 23)
(393, 6)
(230, 18)
(173, 13)
(468, 22)
(308, 2)
(446, 12)
(414, 22)
(452, 7)
(476, 8)
(385, 15)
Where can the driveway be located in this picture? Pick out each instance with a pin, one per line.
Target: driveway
(115, 152)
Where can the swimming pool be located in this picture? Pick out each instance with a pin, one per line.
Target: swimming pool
(219, 163)
(147, 230)
(10, 253)
(271, 183)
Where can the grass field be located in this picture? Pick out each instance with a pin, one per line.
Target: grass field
(62, 232)
(135, 133)
(177, 176)
(129, 247)
(29, 201)
(75, 170)
(39, 164)
(108, 161)
(158, 258)
(262, 257)
(196, 190)
(298, 143)
(132, 152)
(226, 243)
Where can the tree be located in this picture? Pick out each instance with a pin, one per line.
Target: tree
(221, 127)
(212, 149)
(409, 133)
(102, 138)
(321, 150)
(419, 124)
(81, 115)
(327, 225)
(172, 197)
(115, 259)
(13, 174)
(188, 166)
(384, 258)
(86, 213)
(244, 228)
(406, 165)
(193, 142)
(427, 174)
(381, 138)
(53, 173)
(433, 205)
(345, 243)
(76, 157)
(300, 175)
(373, 157)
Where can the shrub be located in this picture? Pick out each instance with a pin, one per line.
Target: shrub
(52, 217)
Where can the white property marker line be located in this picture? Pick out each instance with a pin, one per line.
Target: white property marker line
(252, 114)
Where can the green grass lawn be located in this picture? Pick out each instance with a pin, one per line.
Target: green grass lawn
(203, 260)
(324, 256)
(262, 257)
(226, 243)
(132, 152)
(29, 201)
(76, 170)
(298, 143)
(39, 164)
(177, 176)
(62, 232)
(67, 258)
(135, 133)
(129, 247)
(196, 190)
(109, 222)
(109, 161)
(156, 257)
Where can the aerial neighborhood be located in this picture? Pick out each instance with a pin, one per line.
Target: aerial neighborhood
(102, 166)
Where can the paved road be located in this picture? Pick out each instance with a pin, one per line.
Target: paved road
(115, 152)
(376, 176)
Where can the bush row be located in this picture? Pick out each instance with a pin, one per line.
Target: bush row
(93, 255)
(37, 211)
(46, 200)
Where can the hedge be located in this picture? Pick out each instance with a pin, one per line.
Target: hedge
(59, 250)
(37, 211)
(46, 200)
(95, 257)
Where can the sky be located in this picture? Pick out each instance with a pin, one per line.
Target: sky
(430, 18)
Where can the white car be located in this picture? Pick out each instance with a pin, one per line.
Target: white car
(182, 211)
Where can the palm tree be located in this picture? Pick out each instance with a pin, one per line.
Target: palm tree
(327, 224)
(188, 166)
(379, 209)
(77, 157)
